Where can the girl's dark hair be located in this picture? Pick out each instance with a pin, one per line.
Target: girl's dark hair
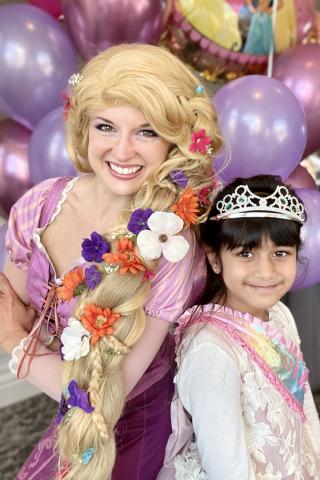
(244, 232)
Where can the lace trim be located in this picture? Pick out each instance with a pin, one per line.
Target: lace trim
(188, 465)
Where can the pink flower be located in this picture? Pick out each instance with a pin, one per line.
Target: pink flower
(200, 142)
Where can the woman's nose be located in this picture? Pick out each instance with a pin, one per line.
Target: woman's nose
(123, 148)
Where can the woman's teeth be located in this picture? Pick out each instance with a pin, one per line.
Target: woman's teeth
(124, 171)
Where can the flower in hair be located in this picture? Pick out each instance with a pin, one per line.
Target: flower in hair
(162, 238)
(99, 322)
(75, 341)
(75, 78)
(78, 397)
(138, 220)
(92, 277)
(67, 106)
(73, 284)
(187, 206)
(87, 455)
(125, 256)
(179, 178)
(200, 142)
(94, 247)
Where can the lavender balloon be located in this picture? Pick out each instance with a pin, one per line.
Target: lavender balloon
(309, 266)
(14, 169)
(3, 254)
(48, 156)
(36, 60)
(263, 125)
(95, 25)
(299, 69)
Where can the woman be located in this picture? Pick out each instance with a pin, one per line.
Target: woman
(143, 130)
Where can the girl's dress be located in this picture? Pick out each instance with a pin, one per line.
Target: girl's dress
(243, 385)
(144, 426)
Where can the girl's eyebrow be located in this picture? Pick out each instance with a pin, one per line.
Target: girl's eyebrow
(144, 125)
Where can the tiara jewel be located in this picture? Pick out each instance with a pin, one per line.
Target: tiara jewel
(75, 79)
(244, 203)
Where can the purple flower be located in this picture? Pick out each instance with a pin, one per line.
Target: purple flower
(179, 178)
(92, 250)
(92, 277)
(79, 398)
(63, 408)
(138, 220)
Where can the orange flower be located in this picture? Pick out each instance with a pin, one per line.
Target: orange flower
(99, 322)
(125, 257)
(70, 282)
(187, 206)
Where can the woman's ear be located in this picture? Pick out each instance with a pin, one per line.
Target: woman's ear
(214, 261)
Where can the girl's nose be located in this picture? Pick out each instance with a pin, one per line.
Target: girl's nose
(123, 148)
(265, 267)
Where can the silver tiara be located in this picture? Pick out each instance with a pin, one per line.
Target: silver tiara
(244, 203)
(75, 79)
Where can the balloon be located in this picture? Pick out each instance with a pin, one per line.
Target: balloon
(263, 125)
(48, 156)
(36, 60)
(95, 25)
(3, 254)
(299, 69)
(309, 267)
(53, 7)
(14, 169)
(222, 35)
(301, 178)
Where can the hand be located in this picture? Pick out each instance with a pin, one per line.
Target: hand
(16, 318)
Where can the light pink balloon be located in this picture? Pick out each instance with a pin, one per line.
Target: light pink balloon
(3, 254)
(301, 178)
(14, 168)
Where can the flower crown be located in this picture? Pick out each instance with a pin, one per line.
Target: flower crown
(244, 203)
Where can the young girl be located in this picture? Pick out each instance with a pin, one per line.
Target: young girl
(241, 379)
(109, 260)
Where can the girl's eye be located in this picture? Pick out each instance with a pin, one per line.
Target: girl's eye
(281, 253)
(147, 132)
(104, 127)
(245, 254)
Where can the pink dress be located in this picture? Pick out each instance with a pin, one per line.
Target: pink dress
(144, 427)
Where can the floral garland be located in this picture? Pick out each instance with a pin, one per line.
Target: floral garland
(155, 234)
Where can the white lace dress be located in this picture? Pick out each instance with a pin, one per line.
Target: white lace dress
(243, 427)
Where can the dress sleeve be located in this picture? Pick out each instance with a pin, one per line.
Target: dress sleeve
(24, 218)
(177, 286)
(209, 386)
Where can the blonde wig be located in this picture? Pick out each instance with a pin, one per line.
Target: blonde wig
(154, 81)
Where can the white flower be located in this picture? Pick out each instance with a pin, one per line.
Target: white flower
(161, 238)
(75, 340)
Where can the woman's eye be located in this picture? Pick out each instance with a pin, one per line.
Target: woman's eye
(147, 132)
(104, 127)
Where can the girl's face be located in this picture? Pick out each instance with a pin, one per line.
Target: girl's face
(256, 279)
(123, 149)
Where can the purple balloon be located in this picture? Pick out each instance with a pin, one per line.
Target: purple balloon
(14, 169)
(263, 125)
(301, 178)
(95, 25)
(48, 156)
(299, 69)
(36, 60)
(3, 253)
(309, 266)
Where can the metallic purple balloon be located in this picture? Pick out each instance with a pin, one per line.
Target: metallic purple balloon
(263, 125)
(309, 266)
(299, 69)
(36, 60)
(301, 178)
(95, 25)
(3, 254)
(14, 169)
(48, 156)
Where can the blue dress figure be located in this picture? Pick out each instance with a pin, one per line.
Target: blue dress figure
(260, 36)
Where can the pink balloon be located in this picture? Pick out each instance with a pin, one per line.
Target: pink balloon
(299, 69)
(3, 254)
(95, 25)
(14, 168)
(301, 178)
(53, 7)
(308, 272)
